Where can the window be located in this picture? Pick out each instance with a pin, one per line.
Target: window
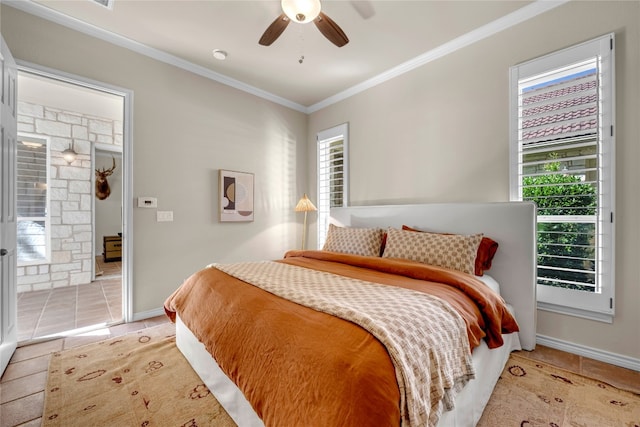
(33, 201)
(562, 158)
(332, 175)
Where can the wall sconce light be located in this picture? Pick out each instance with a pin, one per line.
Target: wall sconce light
(305, 205)
(70, 154)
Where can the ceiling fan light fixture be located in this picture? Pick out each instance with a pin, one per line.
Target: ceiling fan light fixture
(301, 11)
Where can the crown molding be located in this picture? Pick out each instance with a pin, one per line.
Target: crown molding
(523, 14)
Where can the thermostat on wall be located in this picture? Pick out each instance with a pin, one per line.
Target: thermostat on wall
(147, 202)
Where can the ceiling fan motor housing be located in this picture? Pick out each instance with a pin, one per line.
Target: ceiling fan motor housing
(301, 11)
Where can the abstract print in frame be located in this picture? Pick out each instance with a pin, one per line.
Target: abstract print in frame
(236, 196)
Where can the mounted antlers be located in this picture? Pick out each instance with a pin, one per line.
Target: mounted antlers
(102, 186)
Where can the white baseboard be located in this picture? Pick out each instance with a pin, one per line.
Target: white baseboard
(592, 353)
(148, 314)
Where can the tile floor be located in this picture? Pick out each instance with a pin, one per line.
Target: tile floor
(53, 311)
(622, 378)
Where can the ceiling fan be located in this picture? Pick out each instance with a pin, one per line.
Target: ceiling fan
(303, 11)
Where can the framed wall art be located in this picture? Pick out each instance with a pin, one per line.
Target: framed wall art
(235, 196)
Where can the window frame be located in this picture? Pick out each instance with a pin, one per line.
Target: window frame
(22, 136)
(591, 305)
(323, 138)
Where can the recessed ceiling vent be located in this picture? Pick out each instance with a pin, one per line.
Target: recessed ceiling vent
(106, 3)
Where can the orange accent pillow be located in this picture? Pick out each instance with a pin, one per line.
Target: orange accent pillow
(486, 251)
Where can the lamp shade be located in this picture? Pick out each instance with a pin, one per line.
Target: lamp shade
(305, 205)
(301, 11)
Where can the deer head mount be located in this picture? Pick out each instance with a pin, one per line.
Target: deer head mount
(102, 185)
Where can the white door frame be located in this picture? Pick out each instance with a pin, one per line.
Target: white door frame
(127, 171)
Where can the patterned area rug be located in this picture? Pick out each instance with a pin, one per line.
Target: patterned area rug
(142, 379)
(139, 379)
(535, 394)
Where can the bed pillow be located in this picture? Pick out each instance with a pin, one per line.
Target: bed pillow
(486, 251)
(454, 251)
(357, 241)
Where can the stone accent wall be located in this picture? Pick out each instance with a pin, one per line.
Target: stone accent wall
(70, 192)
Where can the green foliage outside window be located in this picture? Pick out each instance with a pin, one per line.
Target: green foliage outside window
(566, 245)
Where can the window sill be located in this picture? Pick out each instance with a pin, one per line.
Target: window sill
(577, 312)
(34, 263)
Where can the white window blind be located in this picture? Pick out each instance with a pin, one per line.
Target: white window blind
(332, 175)
(32, 201)
(562, 159)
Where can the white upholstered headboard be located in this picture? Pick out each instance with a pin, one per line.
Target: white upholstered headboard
(511, 224)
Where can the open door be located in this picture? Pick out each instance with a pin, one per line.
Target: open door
(60, 289)
(8, 247)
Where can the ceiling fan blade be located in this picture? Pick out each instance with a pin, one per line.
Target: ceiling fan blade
(274, 30)
(331, 30)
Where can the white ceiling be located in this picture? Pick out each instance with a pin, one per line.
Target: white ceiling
(386, 38)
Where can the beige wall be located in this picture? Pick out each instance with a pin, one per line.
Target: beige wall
(185, 128)
(440, 133)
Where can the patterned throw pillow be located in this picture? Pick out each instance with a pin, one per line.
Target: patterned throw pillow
(454, 251)
(357, 241)
(486, 251)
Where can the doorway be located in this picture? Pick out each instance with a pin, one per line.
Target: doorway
(65, 126)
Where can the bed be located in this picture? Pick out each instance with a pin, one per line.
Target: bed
(285, 377)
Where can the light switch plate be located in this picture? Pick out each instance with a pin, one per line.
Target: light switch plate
(164, 216)
(147, 202)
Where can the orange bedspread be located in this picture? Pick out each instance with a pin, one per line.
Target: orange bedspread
(297, 366)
